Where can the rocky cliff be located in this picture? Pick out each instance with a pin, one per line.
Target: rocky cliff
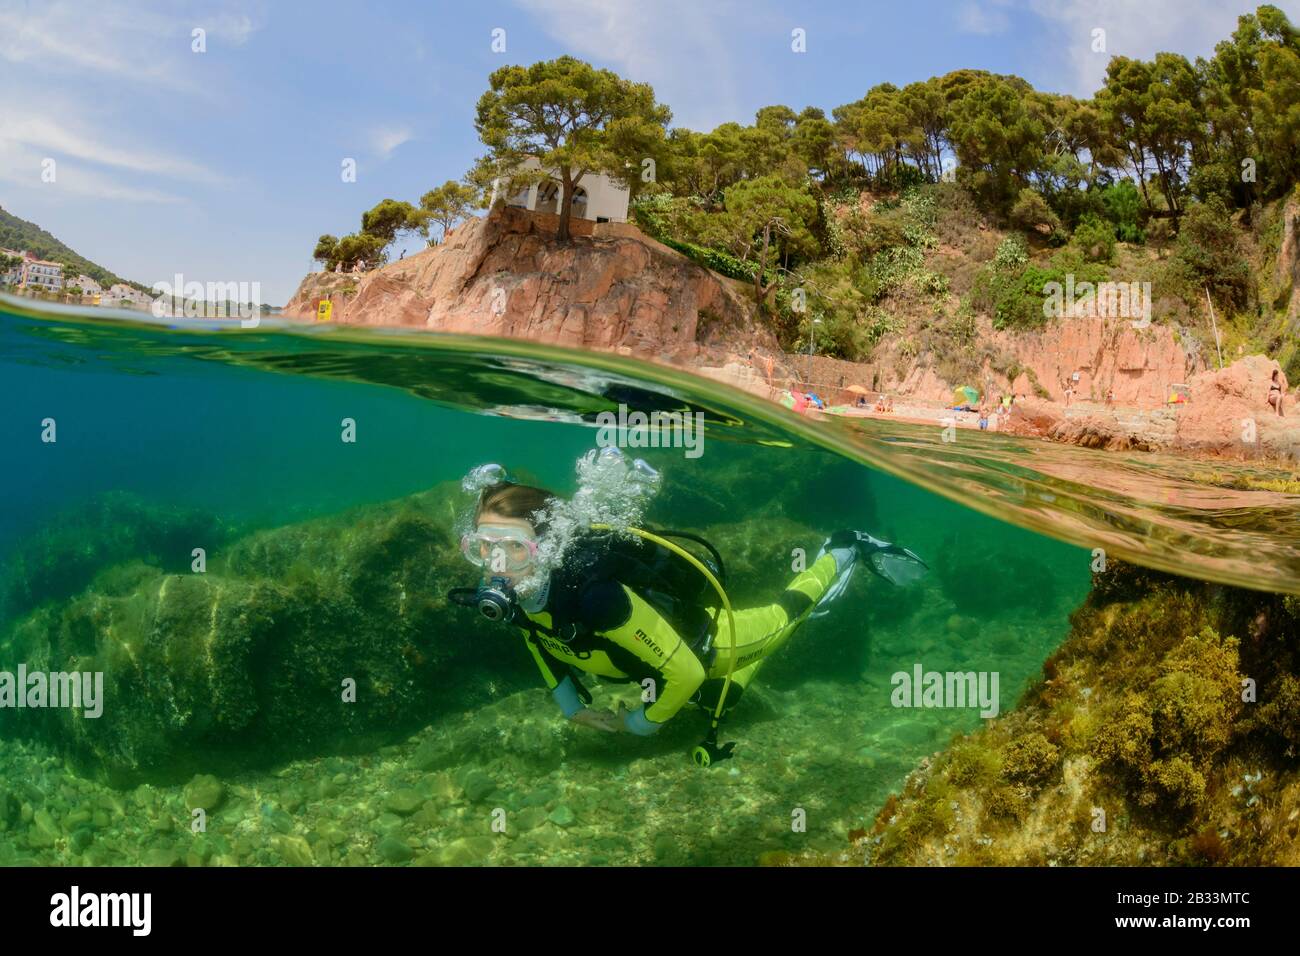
(1228, 416)
(505, 274)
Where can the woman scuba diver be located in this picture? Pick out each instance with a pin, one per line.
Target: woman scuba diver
(628, 605)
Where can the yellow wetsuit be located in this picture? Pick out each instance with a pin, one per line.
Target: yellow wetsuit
(632, 641)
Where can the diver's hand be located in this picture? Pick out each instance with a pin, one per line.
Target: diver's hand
(600, 720)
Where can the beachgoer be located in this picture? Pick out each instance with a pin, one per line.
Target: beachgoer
(1276, 391)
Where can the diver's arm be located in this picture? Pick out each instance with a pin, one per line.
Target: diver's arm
(563, 690)
(651, 638)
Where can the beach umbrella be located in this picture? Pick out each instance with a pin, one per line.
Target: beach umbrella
(857, 390)
(965, 395)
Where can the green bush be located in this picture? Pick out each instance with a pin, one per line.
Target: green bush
(719, 261)
(1013, 291)
(1123, 207)
(1031, 212)
(1095, 239)
(1209, 254)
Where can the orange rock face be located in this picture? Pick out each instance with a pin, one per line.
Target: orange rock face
(506, 275)
(1227, 415)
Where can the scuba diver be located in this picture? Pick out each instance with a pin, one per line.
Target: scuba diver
(629, 605)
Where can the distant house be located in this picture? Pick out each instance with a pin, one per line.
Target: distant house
(32, 273)
(122, 296)
(597, 197)
(41, 274)
(12, 275)
(88, 286)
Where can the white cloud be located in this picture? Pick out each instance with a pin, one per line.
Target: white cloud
(128, 42)
(982, 18)
(385, 139)
(1140, 30)
(22, 167)
(680, 47)
(65, 136)
(233, 28)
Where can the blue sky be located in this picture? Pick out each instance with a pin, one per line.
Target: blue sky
(225, 165)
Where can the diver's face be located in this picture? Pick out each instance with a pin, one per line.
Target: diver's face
(505, 547)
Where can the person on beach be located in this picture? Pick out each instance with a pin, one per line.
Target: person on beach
(1276, 391)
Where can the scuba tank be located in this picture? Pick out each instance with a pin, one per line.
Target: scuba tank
(659, 576)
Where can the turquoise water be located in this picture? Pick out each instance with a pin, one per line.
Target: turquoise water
(328, 560)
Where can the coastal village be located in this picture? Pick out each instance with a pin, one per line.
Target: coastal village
(25, 274)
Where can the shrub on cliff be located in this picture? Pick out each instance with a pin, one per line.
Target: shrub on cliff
(1209, 254)
(1095, 240)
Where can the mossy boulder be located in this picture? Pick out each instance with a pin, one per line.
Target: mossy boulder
(1164, 730)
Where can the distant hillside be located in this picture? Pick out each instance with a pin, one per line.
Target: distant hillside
(20, 234)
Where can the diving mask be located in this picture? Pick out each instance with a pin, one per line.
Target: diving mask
(499, 548)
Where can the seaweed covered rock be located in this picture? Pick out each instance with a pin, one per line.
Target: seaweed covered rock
(331, 635)
(1164, 730)
(62, 557)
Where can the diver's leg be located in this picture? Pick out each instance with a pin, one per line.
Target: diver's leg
(707, 696)
(762, 631)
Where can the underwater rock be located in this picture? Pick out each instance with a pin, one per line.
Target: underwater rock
(204, 792)
(467, 851)
(529, 818)
(1162, 732)
(329, 635)
(294, 850)
(393, 850)
(477, 785)
(64, 555)
(403, 802)
(563, 817)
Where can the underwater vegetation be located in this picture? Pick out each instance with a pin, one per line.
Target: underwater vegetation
(62, 556)
(247, 661)
(244, 665)
(1164, 730)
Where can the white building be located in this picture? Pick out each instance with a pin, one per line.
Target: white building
(122, 296)
(88, 286)
(41, 274)
(13, 275)
(597, 197)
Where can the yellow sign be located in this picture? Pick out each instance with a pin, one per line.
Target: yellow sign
(324, 309)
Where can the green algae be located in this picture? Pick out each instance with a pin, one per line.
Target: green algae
(1162, 731)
